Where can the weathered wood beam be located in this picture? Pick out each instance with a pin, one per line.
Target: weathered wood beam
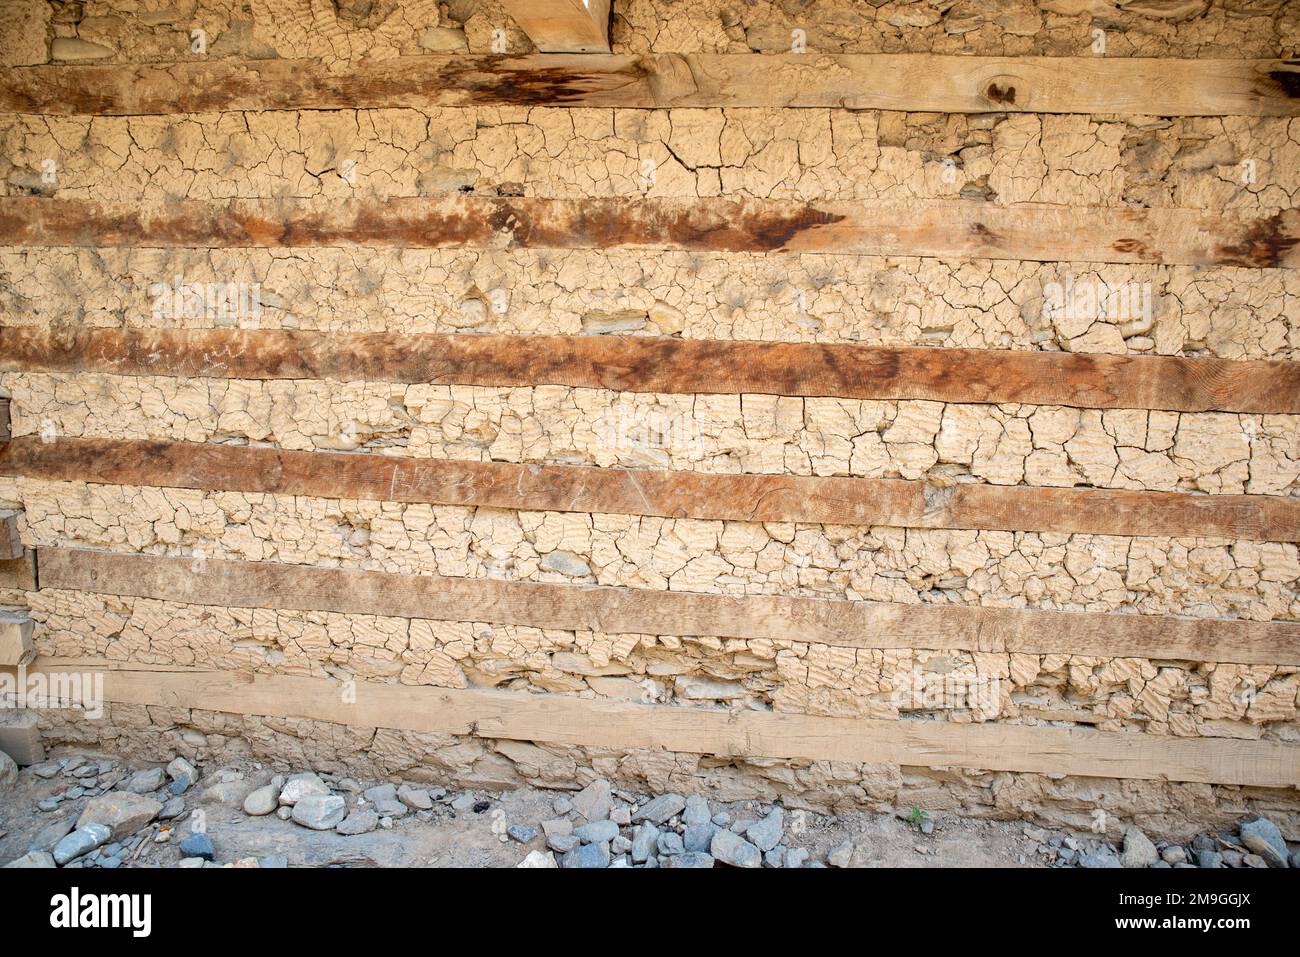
(668, 365)
(957, 229)
(562, 720)
(563, 26)
(11, 545)
(19, 574)
(917, 82)
(638, 611)
(668, 494)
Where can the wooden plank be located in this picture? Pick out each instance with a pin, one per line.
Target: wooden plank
(949, 229)
(665, 365)
(563, 26)
(19, 574)
(11, 545)
(895, 81)
(698, 495)
(4, 419)
(601, 723)
(617, 610)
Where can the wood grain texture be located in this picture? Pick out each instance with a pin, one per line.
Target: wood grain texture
(948, 229)
(895, 81)
(618, 610)
(665, 365)
(563, 26)
(588, 489)
(19, 574)
(600, 723)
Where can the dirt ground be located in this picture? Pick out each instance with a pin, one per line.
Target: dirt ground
(468, 837)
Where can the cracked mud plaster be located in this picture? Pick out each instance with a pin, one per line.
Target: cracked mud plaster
(1172, 810)
(342, 30)
(1112, 694)
(943, 443)
(1229, 313)
(1248, 163)
(1198, 577)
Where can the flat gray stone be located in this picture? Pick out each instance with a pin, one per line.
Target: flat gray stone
(643, 842)
(661, 808)
(766, 834)
(299, 786)
(33, 859)
(669, 844)
(731, 848)
(1263, 837)
(415, 798)
(594, 832)
(690, 859)
(122, 812)
(81, 841)
(696, 811)
(592, 802)
(360, 821)
(320, 812)
(699, 837)
(565, 563)
(522, 833)
(587, 856)
(143, 782)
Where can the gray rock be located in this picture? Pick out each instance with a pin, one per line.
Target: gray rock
(1100, 859)
(182, 772)
(722, 819)
(122, 812)
(198, 845)
(262, 801)
(49, 804)
(594, 832)
(562, 843)
(587, 856)
(538, 859)
(696, 811)
(523, 833)
(46, 770)
(415, 798)
(557, 825)
(172, 809)
(1254, 860)
(1295, 858)
(669, 844)
(385, 792)
(1263, 837)
(320, 812)
(1174, 854)
(1232, 858)
(796, 856)
(592, 802)
(81, 841)
(300, 786)
(1138, 849)
(692, 859)
(644, 838)
(360, 821)
(661, 808)
(766, 834)
(699, 837)
(143, 782)
(565, 563)
(731, 848)
(52, 833)
(463, 802)
(1209, 859)
(275, 862)
(33, 859)
(562, 805)
(622, 816)
(774, 857)
(620, 845)
(841, 856)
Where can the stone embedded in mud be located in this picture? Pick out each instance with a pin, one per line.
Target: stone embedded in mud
(81, 841)
(360, 821)
(262, 801)
(146, 781)
(1138, 849)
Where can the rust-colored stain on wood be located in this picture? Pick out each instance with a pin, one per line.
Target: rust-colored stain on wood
(664, 365)
(695, 495)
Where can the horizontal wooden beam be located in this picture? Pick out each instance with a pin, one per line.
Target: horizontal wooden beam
(601, 723)
(894, 81)
(681, 494)
(948, 229)
(563, 26)
(666, 365)
(19, 574)
(617, 610)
